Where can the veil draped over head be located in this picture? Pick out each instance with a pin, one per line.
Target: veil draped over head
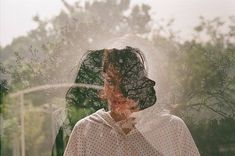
(116, 80)
(124, 70)
(129, 75)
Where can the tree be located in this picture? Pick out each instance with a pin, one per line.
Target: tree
(48, 53)
(203, 71)
(3, 93)
(198, 74)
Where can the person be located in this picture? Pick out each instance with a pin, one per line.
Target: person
(123, 119)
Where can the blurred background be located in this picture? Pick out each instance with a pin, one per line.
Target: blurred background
(189, 47)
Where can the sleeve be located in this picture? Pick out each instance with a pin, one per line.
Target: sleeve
(186, 142)
(76, 143)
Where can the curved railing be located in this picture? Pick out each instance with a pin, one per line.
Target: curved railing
(39, 88)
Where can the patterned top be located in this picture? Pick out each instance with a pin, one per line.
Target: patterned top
(163, 135)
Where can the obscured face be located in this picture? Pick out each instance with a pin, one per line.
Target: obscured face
(134, 83)
(137, 86)
(133, 87)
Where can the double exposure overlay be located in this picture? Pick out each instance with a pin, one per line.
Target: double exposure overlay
(117, 77)
(106, 75)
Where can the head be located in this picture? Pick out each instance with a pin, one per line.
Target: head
(126, 85)
(123, 76)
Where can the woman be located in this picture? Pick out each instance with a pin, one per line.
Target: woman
(130, 126)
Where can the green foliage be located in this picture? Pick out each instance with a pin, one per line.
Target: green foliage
(214, 137)
(3, 93)
(203, 82)
(203, 73)
(9, 127)
(199, 73)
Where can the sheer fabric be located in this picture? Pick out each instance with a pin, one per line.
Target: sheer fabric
(163, 135)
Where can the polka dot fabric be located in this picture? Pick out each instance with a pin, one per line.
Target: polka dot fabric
(99, 135)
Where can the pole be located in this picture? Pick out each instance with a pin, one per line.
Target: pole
(22, 124)
(52, 125)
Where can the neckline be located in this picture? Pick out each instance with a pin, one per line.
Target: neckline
(114, 124)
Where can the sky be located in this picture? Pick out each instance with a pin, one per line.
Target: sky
(16, 15)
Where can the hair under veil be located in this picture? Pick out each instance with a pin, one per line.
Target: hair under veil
(125, 68)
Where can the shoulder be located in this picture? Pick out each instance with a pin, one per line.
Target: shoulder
(79, 126)
(90, 119)
(82, 122)
(177, 120)
(179, 126)
(173, 121)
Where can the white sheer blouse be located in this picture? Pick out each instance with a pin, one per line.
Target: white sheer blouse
(156, 133)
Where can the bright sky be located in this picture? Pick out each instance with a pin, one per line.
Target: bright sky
(16, 15)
